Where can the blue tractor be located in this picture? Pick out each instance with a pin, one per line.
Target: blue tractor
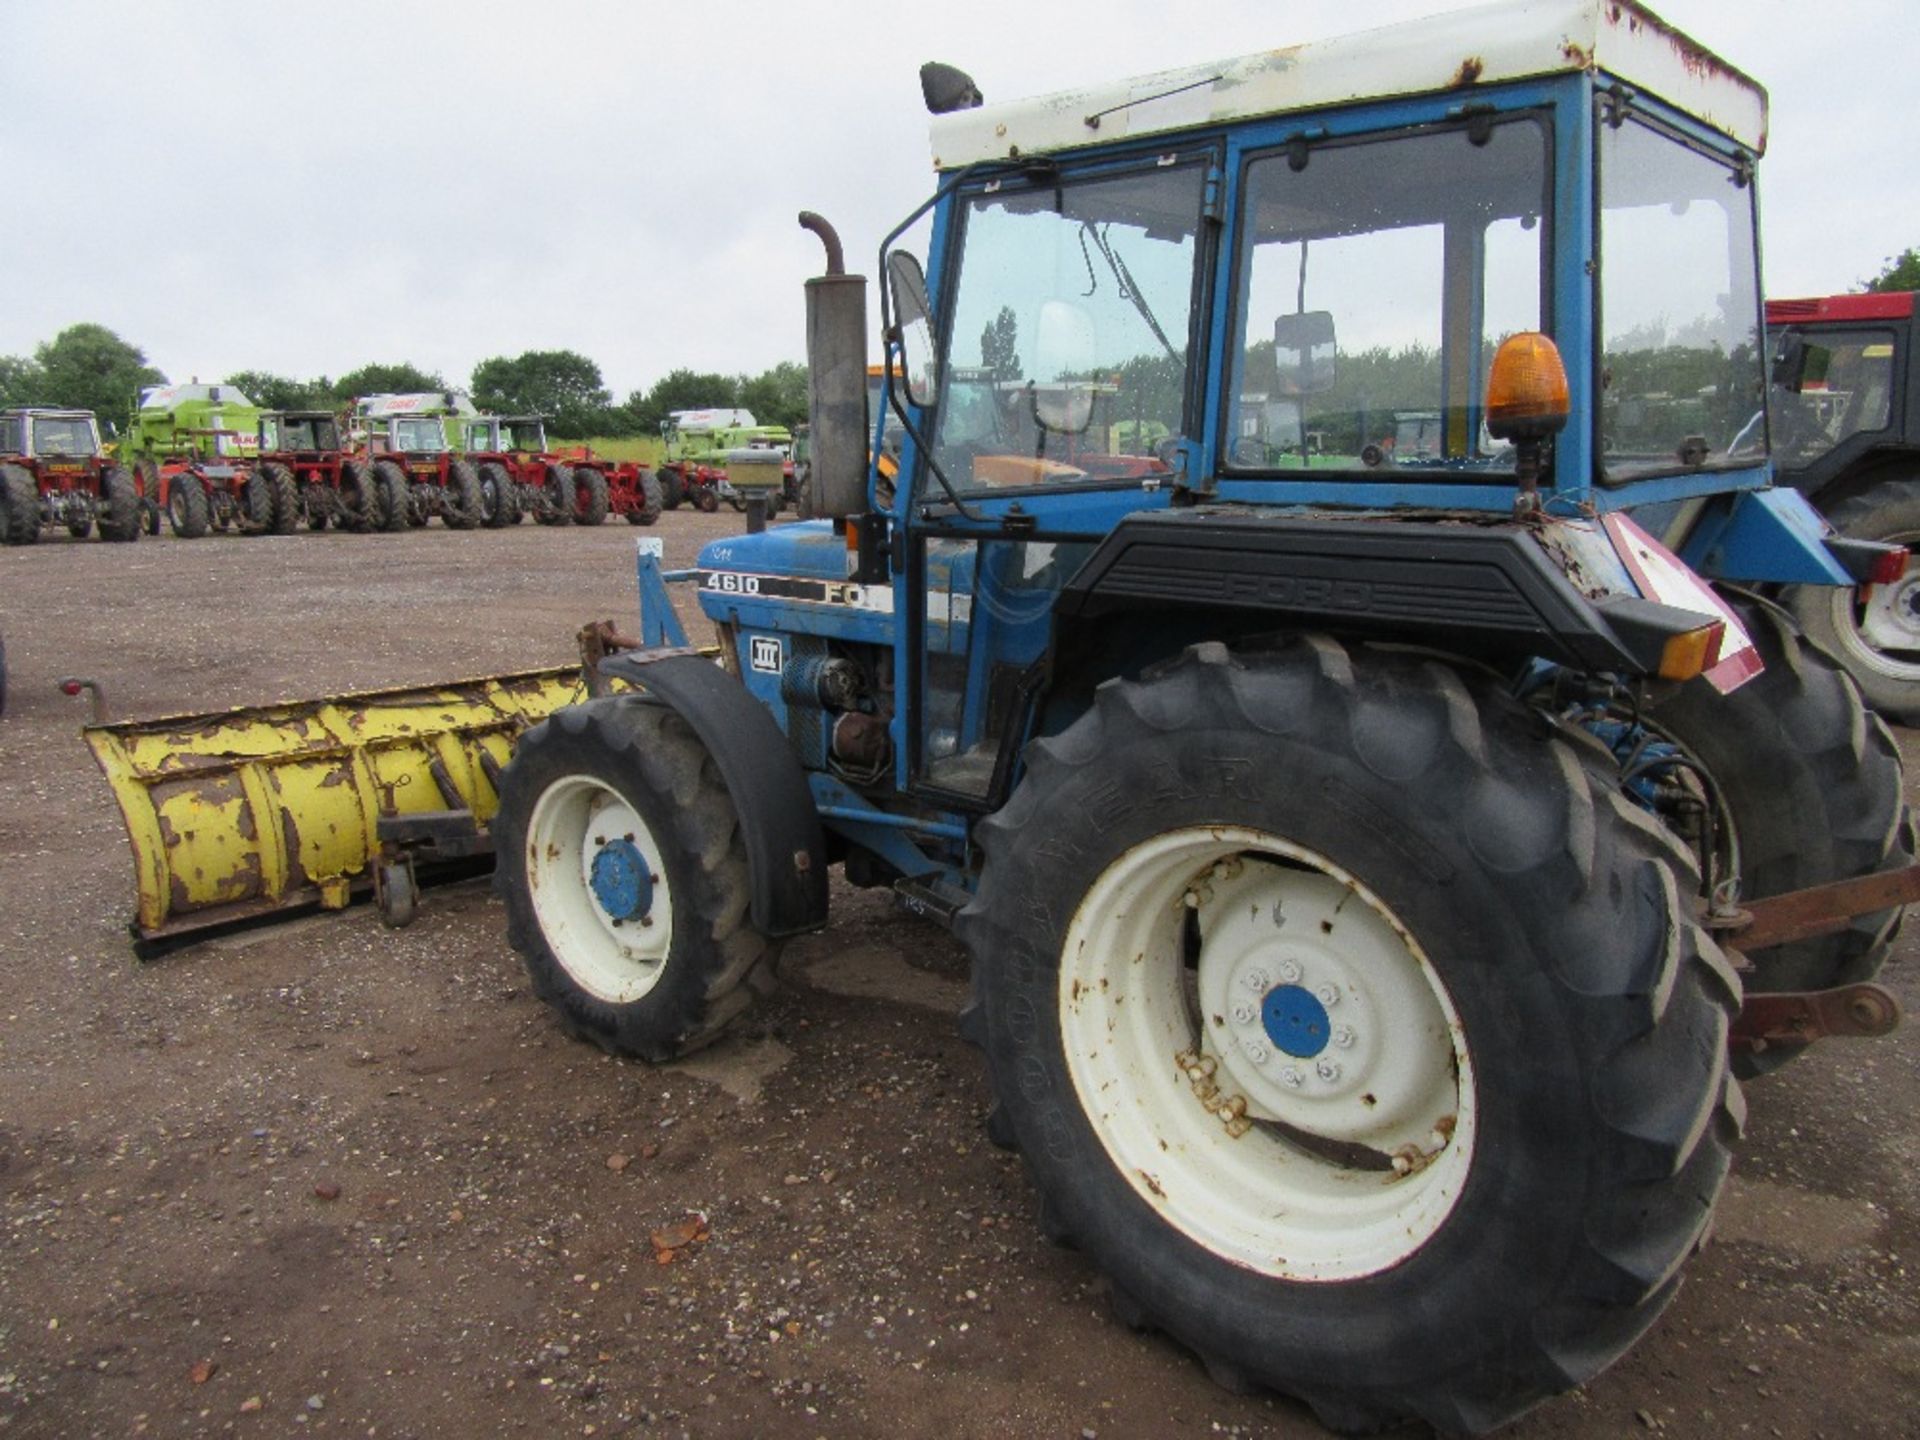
(1313, 658)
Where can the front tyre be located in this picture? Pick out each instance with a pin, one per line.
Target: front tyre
(1357, 1031)
(589, 496)
(625, 878)
(647, 492)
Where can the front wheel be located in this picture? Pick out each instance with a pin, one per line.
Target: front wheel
(499, 497)
(1355, 1028)
(189, 511)
(119, 507)
(396, 499)
(465, 508)
(556, 497)
(589, 496)
(1873, 630)
(625, 878)
(647, 491)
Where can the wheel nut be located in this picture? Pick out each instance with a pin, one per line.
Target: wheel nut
(1328, 994)
(1343, 1037)
(1289, 972)
(1243, 1014)
(1256, 980)
(1327, 1070)
(1255, 1052)
(1292, 1078)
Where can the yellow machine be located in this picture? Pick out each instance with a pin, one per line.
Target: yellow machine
(244, 812)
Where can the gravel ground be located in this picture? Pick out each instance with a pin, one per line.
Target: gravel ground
(327, 1178)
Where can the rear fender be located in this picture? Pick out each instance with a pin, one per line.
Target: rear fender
(786, 848)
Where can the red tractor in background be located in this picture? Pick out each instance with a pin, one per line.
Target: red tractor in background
(416, 472)
(1845, 410)
(304, 460)
(52, 473)
(532, 479)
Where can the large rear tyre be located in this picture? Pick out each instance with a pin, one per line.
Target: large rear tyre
(1810, 786)
(556, 497)
(464, 508)
(589, 496)
(119, 507)
(396, 500)
(499, 497)
(255, 511)
(673, 489)
(360, 506)
(648, 511)
(189, 512)
(625, 878)
(283, 496)
(1360, 1033)
(314, 509)
(19, 506)
(1874, 631)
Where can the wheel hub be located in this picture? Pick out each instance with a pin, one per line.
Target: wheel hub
(621, 882)
(1296, 1021)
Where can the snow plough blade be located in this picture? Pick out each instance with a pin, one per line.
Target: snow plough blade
(241, 813)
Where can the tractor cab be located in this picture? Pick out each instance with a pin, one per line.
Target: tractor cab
(523, 434)
(299, 432)
(53, 435)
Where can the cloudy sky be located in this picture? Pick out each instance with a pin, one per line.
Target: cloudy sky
(305, 186)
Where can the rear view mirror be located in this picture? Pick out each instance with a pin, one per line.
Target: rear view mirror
(1064, 408)
(1304, 353)
(1063, 352)
(913, 315)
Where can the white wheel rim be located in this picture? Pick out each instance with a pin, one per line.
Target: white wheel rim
(1883, 632)
(612, 958)
(1145, 1046)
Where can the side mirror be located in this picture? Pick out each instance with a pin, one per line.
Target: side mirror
(1063, 351)
(1304, 353)
(913, 314)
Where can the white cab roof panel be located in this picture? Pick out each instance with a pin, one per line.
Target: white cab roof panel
(1458, 51)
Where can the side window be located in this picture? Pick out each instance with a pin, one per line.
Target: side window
(1844, 388)
(1376, 279)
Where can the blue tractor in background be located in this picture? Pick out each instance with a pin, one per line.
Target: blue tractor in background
(1307, 657)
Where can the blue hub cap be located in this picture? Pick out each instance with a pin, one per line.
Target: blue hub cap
(622, 884)
(1296, 1021)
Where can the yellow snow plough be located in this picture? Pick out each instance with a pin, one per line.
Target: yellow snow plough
(240, 813)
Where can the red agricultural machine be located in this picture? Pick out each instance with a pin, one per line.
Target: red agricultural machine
(416, 473)
(192, 449)
(529, 478)
(53, 473)
(307, 467)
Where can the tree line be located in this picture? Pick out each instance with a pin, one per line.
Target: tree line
(89, 367)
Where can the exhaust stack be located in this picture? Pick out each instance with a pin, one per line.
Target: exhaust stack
(837, 415)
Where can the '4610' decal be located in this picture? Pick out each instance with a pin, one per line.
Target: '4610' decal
(790, 588)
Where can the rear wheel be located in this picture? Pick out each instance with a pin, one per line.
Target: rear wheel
(1873, 630)
(19, 506)
(648, 491)
(556, 497)
(256, 504)
(119, 507)
(1811, 791)
(625, 878)
(589, 496)
(706, 499)
(1361, 1034)
(188, 510)
(395, 500)
(283, 497)
(464, 508)
(360, 505)
(673, 489)
(499, 499)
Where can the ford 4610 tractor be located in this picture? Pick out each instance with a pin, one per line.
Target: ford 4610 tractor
(1312, 655)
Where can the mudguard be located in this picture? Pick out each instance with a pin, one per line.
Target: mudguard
(786, 848)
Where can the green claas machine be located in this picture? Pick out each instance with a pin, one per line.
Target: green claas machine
(193, 448)
(694, 463)
(1382, 846)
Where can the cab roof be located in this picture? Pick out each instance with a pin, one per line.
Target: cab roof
(1513, 40)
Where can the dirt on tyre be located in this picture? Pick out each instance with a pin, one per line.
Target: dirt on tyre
(1812, 789)
(589, 496)
(625, 879)
(120, 512)
(360, 504)
(1874, 631)
(1356, 1027)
